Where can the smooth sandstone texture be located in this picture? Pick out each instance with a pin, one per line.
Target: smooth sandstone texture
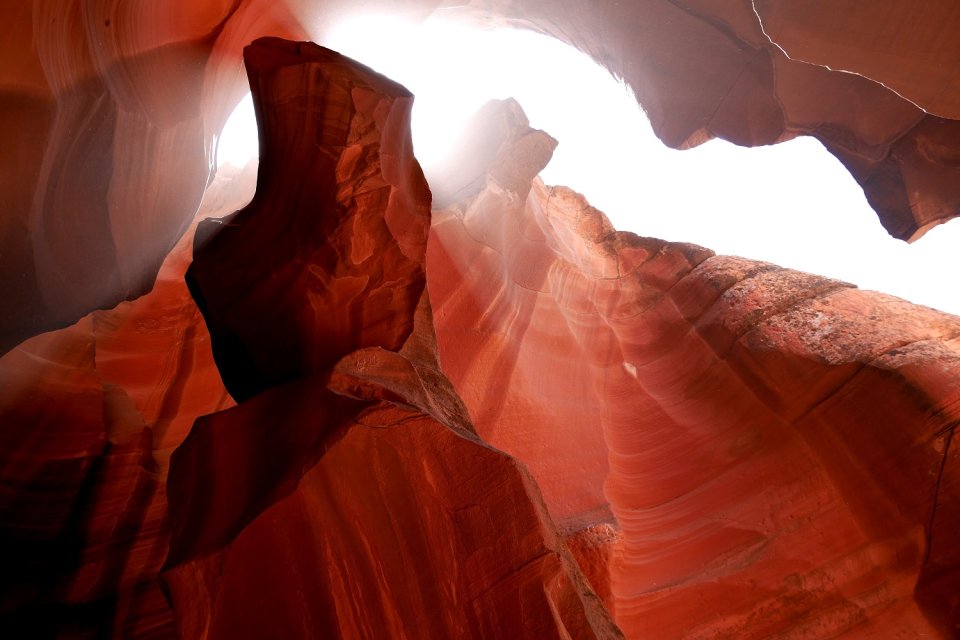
(774, 445)
(90, 416)
(595, 425)
(405, 529)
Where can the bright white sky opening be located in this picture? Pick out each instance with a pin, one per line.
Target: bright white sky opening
(792, 204)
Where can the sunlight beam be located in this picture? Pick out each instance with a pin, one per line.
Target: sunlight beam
(792, 204)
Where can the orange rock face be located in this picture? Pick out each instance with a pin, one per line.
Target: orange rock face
(412, 525)
(468, 409)
(719, 406)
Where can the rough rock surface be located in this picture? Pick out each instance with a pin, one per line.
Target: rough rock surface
(514, 423)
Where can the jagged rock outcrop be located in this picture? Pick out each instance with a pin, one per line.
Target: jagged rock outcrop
(347, 495)
(514, 423)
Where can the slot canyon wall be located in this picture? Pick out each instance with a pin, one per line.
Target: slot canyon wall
(368, 406)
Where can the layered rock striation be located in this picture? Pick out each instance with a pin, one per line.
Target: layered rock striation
(773, 445)
(468, 409)
(90, 416)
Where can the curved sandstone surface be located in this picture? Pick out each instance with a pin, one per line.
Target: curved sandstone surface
(775, 446)
(90, 416)
(109, 111)
(347, 495)
(468, 409)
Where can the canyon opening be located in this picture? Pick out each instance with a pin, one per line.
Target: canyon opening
(791, 204)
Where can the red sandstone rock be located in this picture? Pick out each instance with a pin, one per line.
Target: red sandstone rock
(327, 258)
(777, 442)
(491, 263)
(89, 417)
(108, 115)
(776, 448)
(364, 475)
(918, 54)
(403, 529)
